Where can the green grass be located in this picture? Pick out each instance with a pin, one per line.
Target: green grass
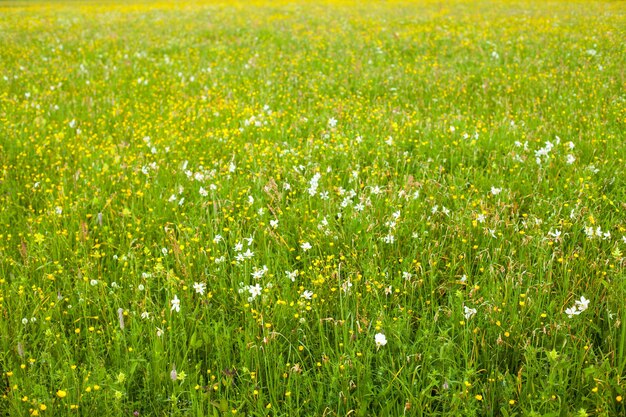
(456, 168)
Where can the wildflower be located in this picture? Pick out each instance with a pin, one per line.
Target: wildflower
(579, 306)
(307, 294)
(571, 312)
(468, 312)
(61, 393)
(380, 339)
(555, 234)
(306, 246)
(258, 273)
(332, 122)
(175, 304)
(582, 304)
(389, 239)
(292, 275)
(314, 183)
(199, 287)
(254, 291)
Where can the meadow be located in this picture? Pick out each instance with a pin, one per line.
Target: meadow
(313, 209)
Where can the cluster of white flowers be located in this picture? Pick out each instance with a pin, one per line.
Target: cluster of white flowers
(597, 232)
(253, 290)
(543, 153)
(314, 184)
(578, 307)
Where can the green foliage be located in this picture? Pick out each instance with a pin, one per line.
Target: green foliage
(293, 209)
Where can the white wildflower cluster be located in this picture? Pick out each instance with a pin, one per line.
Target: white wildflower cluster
(242, 256)
(391, 224)
(253, 290)
(578, 307)
(314, 184)
(592, 233)
(543, 154)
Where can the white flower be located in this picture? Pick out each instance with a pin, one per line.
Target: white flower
(468, 312)
(556, 234)
(254, 291)
(332, 122)
(571, 312)
(306, 246)
(496, 191)
(175, 304)
(274, 224)
(570, 159)
(200, 287)
(579, 306)
(203, 192)
(217, 238)
(380, 339)
(258, 273)
(93, 282)
(307, 294)
(582, 304)
(145, 315)
(292, 275)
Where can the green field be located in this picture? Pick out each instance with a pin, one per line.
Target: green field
(313, 209)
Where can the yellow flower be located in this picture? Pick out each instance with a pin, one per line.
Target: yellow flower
(479, 397)
(43, 407)
(61, 393)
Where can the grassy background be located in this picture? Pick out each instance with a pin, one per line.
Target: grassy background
(437, 157)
